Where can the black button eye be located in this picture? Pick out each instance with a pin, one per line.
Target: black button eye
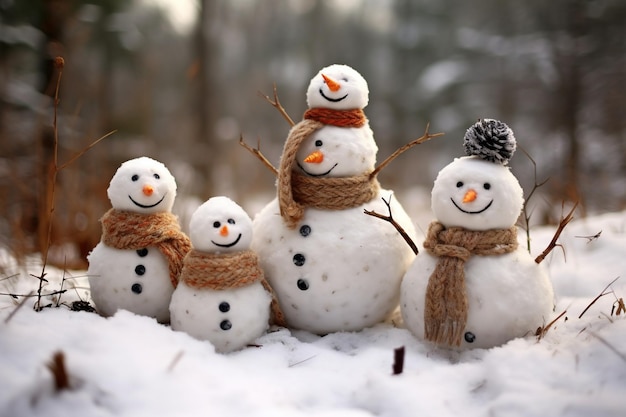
(318, 143)
(216, 224)
(157, 176)
(459, 184)
(486, 186)
(231, 221)
(134, 177)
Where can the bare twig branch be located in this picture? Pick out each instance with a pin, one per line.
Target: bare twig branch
(276, 104)
(395, 224)
(257, 152)
(564, 221)
(621, 307)
(602, 294)
(83, 151)
(536, 186)
(425, 137)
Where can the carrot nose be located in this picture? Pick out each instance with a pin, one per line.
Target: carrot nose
(314, 157)
(469, 196)
(332, 84)
(147, 190)
(224, 231)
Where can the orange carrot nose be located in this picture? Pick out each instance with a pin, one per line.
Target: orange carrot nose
(332, 84)
(224, 231)
(314, 157)
(469, 196)
(148, 190)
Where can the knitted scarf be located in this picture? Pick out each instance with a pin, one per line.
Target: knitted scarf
(297, 191)
(445, 310)
(132, 231)
(225, 271)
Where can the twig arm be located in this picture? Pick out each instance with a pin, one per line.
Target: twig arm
(257, 152)
(425, 137)
(276, 104)
(395, 224)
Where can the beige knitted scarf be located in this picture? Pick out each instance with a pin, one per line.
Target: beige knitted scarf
(445, 310)
(226, 271)
(132, 231)
(297, 191)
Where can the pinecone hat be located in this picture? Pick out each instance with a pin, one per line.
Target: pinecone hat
(490, 140)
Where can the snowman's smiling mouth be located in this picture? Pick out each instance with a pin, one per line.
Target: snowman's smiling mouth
(334, 100)
(147, 206)
(471, 212)
(317, 175)
(228, 245)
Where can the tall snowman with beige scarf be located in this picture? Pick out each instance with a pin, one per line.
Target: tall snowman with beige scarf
(332, 268)
(475, 287)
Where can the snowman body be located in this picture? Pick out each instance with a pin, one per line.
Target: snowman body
(508, 295)
(335, 269)
(135, 280)
(230, 318)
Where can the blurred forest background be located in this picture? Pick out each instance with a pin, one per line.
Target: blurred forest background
(554, 71)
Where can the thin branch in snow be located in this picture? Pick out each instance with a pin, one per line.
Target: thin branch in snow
(564, 221)
(536, 185)
(610, 346)
(590, 238)
(398, 360)
(541, 332)
(59, 371)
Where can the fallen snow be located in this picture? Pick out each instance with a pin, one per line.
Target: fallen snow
(128, 365)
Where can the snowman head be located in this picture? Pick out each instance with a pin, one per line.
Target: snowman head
(338, 87)
(479, 192)
(142, 185)
(220, 225)
(329, 153)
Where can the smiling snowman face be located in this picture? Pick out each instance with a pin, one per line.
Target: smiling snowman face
(142, 185)
(336, 152)
(477, 195)
(338, 87)
(220, 225)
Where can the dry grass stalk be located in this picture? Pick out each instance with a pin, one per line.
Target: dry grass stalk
(541, 332)
(395, 224)
(602, 294)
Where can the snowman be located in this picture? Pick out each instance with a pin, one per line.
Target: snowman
(135, 266)
(331, 267)
(222, 295)
(475, 287)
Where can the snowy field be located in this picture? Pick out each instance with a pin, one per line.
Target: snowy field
(131, 366)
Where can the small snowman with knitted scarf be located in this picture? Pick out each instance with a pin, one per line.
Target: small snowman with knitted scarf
(332, 269)
(136, 265)
(222, 295)
(475, 287)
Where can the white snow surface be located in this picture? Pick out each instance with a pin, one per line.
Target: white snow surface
(128, 365)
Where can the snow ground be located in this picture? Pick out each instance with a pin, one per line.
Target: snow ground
(131, 366)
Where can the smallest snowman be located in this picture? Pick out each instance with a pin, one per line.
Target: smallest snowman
(135, 266)
(476, 287)
(222, 295)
